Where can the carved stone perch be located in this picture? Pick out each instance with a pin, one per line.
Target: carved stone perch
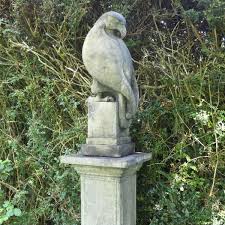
(105, 136)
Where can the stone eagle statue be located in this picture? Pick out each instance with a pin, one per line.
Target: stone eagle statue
(109, 62)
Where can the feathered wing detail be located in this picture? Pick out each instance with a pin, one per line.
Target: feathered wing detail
(111, 75)
(110, 65)
(127, 92)
(135, 89)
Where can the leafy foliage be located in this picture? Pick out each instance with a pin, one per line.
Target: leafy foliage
(178, 51)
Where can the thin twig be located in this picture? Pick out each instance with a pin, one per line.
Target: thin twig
(8, 186)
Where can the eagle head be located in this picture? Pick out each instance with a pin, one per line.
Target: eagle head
(113, 23)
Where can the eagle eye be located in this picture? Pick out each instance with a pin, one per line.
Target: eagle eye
(117, 33)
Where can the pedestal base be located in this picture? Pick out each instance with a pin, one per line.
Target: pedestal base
(116, 150)
(105, 136)
(108, 188)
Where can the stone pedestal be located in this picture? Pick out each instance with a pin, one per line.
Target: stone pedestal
(108, 188)
(105, 137)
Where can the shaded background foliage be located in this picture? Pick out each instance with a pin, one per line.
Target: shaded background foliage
(178, 50)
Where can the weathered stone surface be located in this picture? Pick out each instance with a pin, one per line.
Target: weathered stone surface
(108, 60)
(108, 180)
(105, 136)
(123, 162)
(108, 141)
(103, 120)
(108, 200)
(108, 150)
(108, 188)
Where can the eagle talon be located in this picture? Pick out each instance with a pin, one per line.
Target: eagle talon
(109, 99)
(99, 98)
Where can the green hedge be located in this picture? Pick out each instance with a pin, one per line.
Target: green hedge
(179, 53)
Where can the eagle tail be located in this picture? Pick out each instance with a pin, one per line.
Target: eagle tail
(128, 93)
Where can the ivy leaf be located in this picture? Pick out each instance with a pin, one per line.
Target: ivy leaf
(10, 213)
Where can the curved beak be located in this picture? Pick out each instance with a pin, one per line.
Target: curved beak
(123, 31)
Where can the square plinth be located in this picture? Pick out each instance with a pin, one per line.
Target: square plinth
(105, 136)
(103, 121)
(106, 166)
(116, 150)
(108, 188)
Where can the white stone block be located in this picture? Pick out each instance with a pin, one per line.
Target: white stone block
(103, 119)
(105, 137)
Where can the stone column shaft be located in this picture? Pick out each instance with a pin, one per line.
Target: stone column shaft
(108, 188)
